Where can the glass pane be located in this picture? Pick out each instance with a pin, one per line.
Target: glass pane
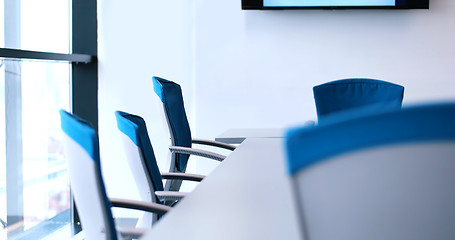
(42, 25)
(45, 89)
(2, 24)
(2, 153)
(37, 90)
(45, 25)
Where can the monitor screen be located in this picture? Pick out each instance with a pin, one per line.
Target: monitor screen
(311, 4)
(326, 3)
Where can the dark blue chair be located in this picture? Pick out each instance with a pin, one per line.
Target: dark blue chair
(170, 94)
(142, 161)
(376, 175)
(87, 185)
(349, 94)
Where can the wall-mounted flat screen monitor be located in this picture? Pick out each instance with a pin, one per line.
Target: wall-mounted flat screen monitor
(330, 4)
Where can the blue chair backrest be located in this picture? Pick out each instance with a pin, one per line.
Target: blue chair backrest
(385, 175)
(134, 128)
(82, 153)
(340, 95)
(142, 161)
(170, 94)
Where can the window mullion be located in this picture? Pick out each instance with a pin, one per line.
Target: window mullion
(13, 113)
(13, 133)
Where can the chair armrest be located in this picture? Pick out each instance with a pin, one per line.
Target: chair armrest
(183, 176)
(213, 143)
(139, 205)
(131, 233)
(197, 152)
(170, 195)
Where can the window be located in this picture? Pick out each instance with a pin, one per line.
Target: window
(38, 76)
(34, 184)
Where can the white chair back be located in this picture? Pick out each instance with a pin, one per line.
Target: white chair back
(82, 154)
(392, 192)
(385, 175)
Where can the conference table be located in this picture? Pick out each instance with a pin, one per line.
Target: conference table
(248, 196)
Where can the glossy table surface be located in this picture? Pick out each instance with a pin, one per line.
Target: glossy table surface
(248, 196)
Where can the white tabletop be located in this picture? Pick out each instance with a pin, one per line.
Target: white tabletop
(236, 136)
(247, 197)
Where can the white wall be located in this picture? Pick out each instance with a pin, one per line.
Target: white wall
(257, 68)
(137, 40)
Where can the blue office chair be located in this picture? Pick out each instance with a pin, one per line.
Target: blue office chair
(170, 94)
(142, 162)
(348, 94)
(386, 175)
(94, 208)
